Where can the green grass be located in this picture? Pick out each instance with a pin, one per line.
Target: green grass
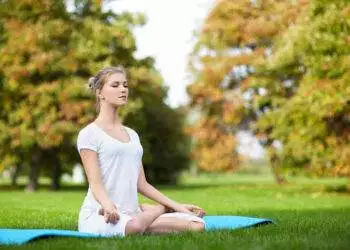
(307, 215)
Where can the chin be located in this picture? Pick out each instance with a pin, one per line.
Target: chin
(121, 103)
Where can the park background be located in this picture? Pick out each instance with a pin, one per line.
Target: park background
(248, 115)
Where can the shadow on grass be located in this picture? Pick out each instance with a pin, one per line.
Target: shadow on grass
(345, 189)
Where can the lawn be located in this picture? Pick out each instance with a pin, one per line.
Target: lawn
(309, 214)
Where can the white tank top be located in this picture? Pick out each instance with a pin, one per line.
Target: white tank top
(119, 164)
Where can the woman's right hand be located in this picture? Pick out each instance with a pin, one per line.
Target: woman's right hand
(110, 213)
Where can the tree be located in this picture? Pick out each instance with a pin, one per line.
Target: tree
(234, 36)
(309, 115)
(47, 55)
(285, 65)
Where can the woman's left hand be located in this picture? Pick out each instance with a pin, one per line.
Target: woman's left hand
(190, 209)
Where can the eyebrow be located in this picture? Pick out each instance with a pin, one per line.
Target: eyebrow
(119, 82)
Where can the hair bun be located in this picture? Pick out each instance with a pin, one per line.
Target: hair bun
(92, 82)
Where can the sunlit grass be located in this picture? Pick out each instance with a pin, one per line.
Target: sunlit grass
(307, 216)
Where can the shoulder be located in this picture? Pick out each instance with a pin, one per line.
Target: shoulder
(88, 138)
(89, 133)
(87, 130)
(133, 131)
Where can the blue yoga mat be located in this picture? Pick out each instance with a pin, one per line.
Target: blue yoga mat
(212, 222)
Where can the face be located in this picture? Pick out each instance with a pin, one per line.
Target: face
(115, 90)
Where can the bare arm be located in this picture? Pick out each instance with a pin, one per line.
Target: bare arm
(90, 163)
(146, 189)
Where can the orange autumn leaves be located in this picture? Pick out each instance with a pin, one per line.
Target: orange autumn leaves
(296, 90)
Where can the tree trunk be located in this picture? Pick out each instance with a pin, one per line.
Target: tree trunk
(18, 169)
(276, 165)
(56, 172)
(15, 174)
(34, 172)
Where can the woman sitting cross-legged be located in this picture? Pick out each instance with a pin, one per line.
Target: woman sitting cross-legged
(111, 154)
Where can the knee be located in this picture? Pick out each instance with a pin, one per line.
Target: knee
(197, 226)
(135, 227)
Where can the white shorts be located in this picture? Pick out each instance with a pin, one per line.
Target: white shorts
(92, 222)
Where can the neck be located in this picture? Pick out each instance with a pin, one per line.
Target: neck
(108, 116)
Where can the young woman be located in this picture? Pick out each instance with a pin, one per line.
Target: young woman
(111, 154)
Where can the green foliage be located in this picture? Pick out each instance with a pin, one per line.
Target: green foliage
(295, 87)
(312, 122)
(234, 34)
(47, 55)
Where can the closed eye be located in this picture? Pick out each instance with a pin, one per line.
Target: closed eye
(116, 84)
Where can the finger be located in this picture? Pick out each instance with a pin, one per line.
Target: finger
(192, 207)
(195, 207)
(115, 218)
(110, 218)
(101, 211)
(201, 212)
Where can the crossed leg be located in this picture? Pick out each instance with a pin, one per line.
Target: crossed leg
(143, 220)
(149, 221)
(174, 225)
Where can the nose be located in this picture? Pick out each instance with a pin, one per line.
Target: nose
(124, 91)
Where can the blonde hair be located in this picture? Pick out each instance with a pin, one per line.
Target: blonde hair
(98, 81)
